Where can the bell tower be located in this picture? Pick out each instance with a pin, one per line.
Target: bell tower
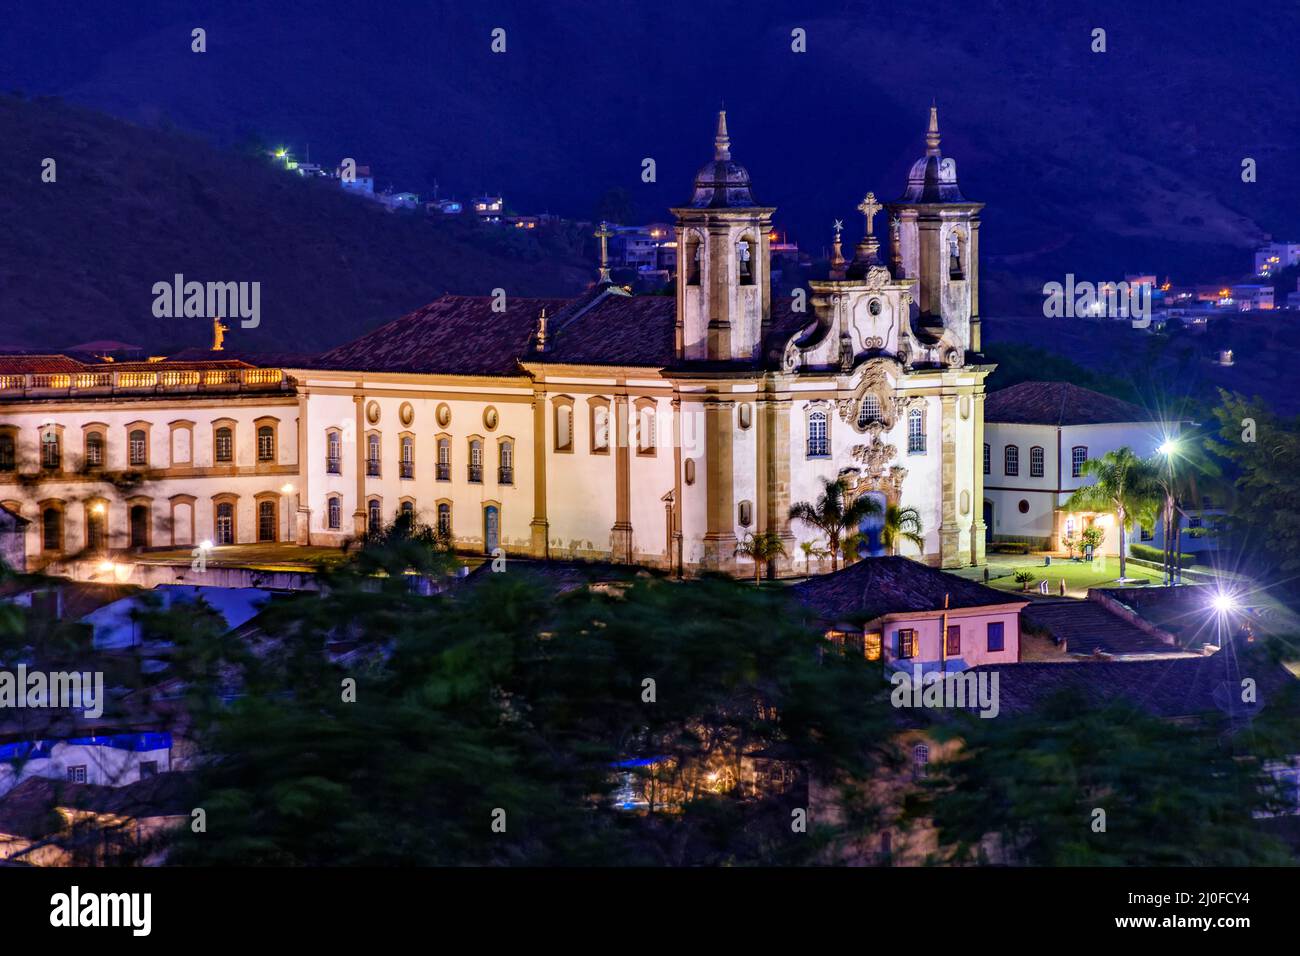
(724, 298)
(936, 242)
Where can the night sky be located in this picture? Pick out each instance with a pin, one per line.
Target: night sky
(1094, 163)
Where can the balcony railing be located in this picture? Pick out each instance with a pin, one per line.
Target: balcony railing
(333, 466)
(160, 380)
(372, 468)
(408, 469)
(505, 475)
(476, 473)
(443, 472)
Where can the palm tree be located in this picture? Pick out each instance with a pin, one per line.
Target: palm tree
(902, 524)
(1123, 484)
(807, 547)
(761, 548)
(831, 516)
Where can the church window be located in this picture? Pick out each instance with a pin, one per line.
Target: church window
(1036, 462)
(224, 445)
(869, 411)
(138, 445)
(599, 426)
(693, 261)
(645, 427)
(8, 460)
(335, 512)
(407, 510)
(1078, 455)
(94, 449)
(1011, 460)
(915, 432)
(988, 459)
(266, 520)
(444, 460)
(506, 464)
(745, 261)
(408, 457)
(374, 516)
(818, 441)
(333, 453)
(475, 460)
(564, 425)
(745, 514)
(225, 523)
(372, 455)
(444, 520)
(51, 452)
(265, 443)
(954, 255)
(52, 528)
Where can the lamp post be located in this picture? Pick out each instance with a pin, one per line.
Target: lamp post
(1223, 604)
(1168, 450)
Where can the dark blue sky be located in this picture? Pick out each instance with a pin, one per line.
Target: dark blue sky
(1093, 163)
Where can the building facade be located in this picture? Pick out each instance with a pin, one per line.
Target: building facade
(641, 429)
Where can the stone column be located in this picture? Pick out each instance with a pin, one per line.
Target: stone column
(977, 529)
(620, 535)
(359, 445)
(950, 555)
(774, 475)
(719, 298)
(539, 526)
(302, 526)
(719, 475)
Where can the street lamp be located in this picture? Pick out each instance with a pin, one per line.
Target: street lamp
(1168, 450)
(1222, 603)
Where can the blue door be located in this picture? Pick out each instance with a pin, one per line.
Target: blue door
(872, 544)
(491, 529)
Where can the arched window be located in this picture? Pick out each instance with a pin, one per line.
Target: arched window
(564, 426)
(506, 463)
(335, 512)
(52, 529)
(333, 453)
(266, 521)
(444, 520)
(51, 450)
(745, 514)
(692, 260)
(372, 454)
(818, 442)
(94, 449)
(224, 445)
(1011, 460)
(8, 459)
(444, 459)
(407, 510)
(1036, 461)
(374, 517)
(475, 460)
(96, 515)
(225, 526)
(1078, 455)
(954, 255)
(869, 411)
(645, 429)
(408, 457)
(265, 443)
(745, 261)
(138, 447)
(915, 432)
(920, 761)
(600, 428)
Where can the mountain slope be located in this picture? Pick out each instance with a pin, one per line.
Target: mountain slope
(133, 206)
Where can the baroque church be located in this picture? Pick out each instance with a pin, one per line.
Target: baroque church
(640, 429)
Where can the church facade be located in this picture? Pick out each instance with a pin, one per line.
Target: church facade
(644, 429)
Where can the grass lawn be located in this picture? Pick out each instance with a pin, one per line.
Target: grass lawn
(1078, 575)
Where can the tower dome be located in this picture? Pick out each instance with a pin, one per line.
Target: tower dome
(722, 184)
(933, 178)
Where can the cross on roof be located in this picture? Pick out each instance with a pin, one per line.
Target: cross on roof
(869, 207)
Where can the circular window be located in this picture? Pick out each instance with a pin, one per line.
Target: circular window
(874, 307)
(406, 413)
(1024, 506)
(490, 418)
(372, 413)
(444, 414)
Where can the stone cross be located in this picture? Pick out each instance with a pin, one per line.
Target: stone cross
(603, 234)
(869, 207)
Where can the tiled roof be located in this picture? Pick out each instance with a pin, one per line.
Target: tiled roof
(873, 587)
(1086, 627)
(613, 329)
(1167, 687)
(38, 364)
(1059, 403)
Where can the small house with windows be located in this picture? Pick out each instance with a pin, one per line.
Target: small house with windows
(1037, 435)
(905, 613)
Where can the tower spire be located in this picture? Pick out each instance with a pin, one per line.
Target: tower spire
(932, 134)
(722, 142)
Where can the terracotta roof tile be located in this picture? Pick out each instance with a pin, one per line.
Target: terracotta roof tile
(1059, 403)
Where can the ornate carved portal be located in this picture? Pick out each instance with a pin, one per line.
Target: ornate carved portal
(875, 473)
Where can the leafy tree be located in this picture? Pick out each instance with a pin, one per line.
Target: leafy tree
(1123, 484)
(832, 516)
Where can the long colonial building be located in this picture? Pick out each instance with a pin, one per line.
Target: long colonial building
(646, 429)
